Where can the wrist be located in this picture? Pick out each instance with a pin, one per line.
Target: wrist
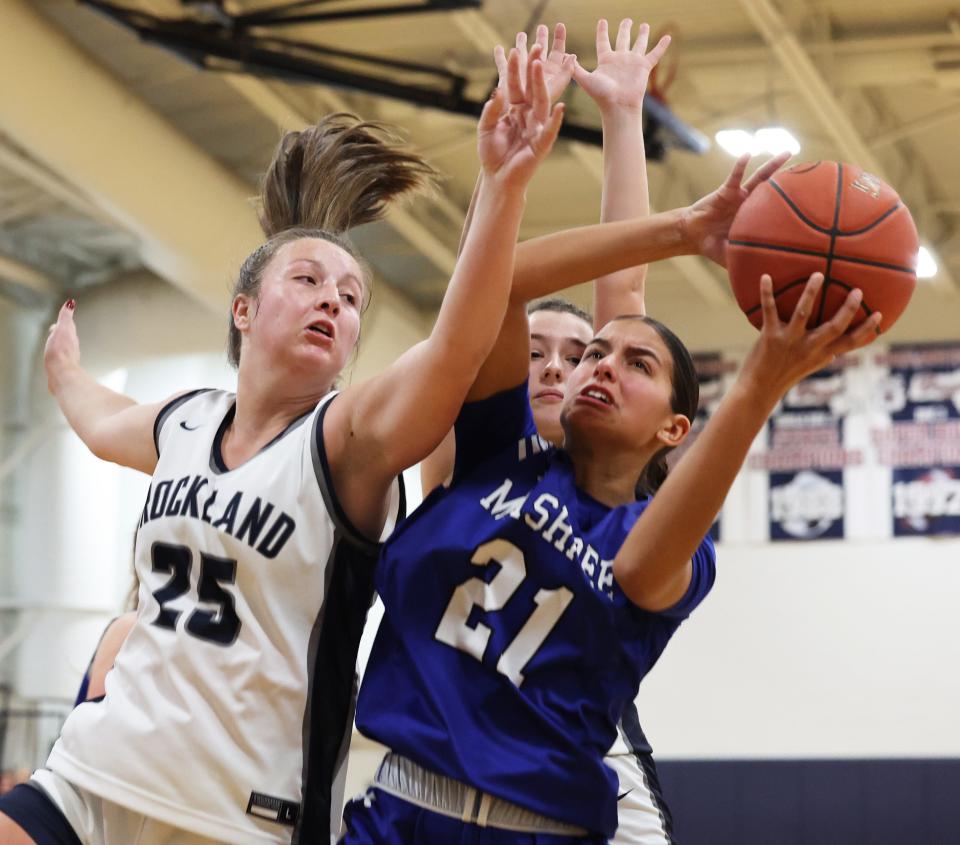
(688, 242)
(61, 374)
(618, 116)
(754, 396)
(496, 187)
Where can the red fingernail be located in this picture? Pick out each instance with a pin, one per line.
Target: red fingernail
(71, 304)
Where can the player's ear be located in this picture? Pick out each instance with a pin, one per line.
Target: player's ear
(674, 431)
(242, 310)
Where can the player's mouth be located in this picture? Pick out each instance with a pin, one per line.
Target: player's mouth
(596, 396)
(322, 332)
(549, 396)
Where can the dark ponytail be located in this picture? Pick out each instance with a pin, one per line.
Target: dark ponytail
(324, 180)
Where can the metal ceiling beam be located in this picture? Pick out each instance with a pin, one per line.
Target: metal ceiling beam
(820, 99)
(192, 216)
(20, 274)
(915, 127)
(730, 68)
(21, 165)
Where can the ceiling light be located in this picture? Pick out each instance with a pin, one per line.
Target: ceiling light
(769, 140)
(926, 264)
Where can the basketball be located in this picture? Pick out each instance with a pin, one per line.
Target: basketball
(831, 218)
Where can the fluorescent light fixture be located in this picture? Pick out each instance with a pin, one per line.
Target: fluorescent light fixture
(735, 141)
(769, 140)
(926, 264)
(776, 139)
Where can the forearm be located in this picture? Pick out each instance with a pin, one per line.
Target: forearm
(660, 546)
(624, 196)
(468, 219)
(476, 299)
(551, 263)
(85, 403)
(438, 372)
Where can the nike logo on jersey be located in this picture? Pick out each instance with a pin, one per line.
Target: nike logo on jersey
(185, 427)
(625, 794)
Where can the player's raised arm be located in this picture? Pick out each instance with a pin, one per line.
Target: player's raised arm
(395, 419)
(617, 86)
(112, 426)
(558, 68)
(654, 564)
(553, 262)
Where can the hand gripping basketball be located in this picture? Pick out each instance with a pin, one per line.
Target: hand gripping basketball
(787, 351)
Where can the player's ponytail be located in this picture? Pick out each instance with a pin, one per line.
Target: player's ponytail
(324, 180)
(684, 399)
(339, 173)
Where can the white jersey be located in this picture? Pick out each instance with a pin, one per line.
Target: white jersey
(229, 710)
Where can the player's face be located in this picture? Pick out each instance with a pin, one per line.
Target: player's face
(621, 390)
(308, 313)
(557, 341)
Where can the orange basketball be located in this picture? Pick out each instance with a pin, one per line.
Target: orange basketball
(831, 218)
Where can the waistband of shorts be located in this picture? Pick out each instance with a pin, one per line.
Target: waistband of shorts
(405, 779)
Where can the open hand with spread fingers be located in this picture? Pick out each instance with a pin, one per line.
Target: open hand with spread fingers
(787, 352)
(706, 223)
(558, 64)
(622, 72)
(518, 126)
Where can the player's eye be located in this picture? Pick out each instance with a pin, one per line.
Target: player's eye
(308, 279)
(573, 359)
(349, 297)
(535, 354)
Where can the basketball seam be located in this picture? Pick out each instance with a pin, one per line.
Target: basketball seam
(801, 281)
(833, 242)
(796, 210)
(850, 259)
(781, 289)
(835, 231)
(876, 222)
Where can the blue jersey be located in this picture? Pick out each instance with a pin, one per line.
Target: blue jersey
(508, 651)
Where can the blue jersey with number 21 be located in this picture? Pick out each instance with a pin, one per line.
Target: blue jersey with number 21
(507, 650)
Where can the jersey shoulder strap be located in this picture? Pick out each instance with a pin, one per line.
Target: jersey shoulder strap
(397, 508)
(167, 410)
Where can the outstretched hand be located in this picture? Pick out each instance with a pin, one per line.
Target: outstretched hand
(787, 352)
(63, 346)
(620, 79)
(707, 222)
(558, 64)
(518, 126)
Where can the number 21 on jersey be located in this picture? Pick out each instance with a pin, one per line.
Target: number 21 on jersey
(550, 606)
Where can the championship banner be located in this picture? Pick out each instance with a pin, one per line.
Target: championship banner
(866, 449)
(922, 443)
(806, 457)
